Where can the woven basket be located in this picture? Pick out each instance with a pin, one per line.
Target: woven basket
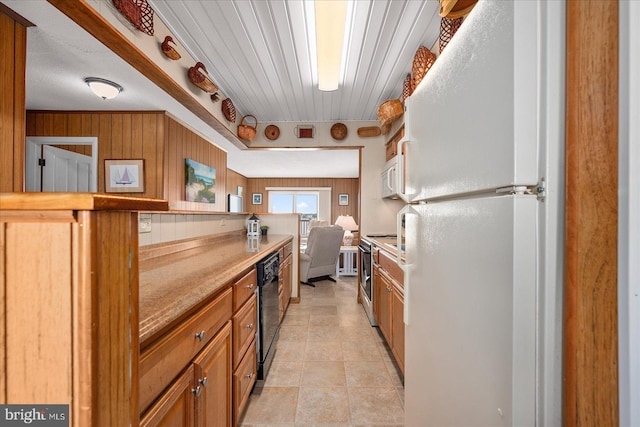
(138, 12)
(201, 79)
(247, 132)
(169, 51)
(448, 28)
(422, 62)
(229, 110)
(339, 131)
(406, 88)
(456, 8)
(389, 111)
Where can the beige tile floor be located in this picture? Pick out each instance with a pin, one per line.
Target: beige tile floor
(331, 367)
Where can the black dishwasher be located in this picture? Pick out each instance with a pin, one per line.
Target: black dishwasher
(268, 313)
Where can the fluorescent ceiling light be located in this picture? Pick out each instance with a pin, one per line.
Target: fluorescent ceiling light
(331, 18)
(105, 89)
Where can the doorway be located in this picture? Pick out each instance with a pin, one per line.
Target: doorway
(48, 168)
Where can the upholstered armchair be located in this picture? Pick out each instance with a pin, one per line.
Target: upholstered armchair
(318, 261)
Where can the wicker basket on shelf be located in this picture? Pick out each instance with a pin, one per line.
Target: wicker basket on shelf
(229, 110)
(245, 131)
(200, 78)
(448, 28)
(406, 88)
(138, 12)
(388, 112)
(422, 62)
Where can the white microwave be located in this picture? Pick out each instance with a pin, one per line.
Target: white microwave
(390, 179)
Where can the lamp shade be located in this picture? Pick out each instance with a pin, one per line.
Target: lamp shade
(347, 222)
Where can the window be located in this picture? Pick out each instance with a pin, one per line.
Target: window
(302, 202)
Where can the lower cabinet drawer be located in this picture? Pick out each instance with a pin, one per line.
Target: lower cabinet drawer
(244, 288)
(243, 380)
(244, 329)
(165, 359)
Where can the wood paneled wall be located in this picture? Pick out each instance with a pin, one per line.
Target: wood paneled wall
(121, 135)
(182, 143)
(13, 45)
(161, 141)
(350, 186)
(234, 179)
(590, 377)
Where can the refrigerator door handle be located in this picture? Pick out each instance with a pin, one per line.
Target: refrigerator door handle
(400, 173)
(390, 172)
(402, 263)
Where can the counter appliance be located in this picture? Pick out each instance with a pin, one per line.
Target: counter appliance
(483, 143)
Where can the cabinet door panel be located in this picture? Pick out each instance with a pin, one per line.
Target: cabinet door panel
(243, 380)
(213, 375)
(384, 306)
(175, 408)
(244, 329)
(397, 326)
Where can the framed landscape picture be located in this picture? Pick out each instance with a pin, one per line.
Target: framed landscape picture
(124, 176)
(200, 182)
(257, 199)
(343, 199)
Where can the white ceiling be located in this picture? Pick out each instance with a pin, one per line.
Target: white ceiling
(260, 53)
(257, 53)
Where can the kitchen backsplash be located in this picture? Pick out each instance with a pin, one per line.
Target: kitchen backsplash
(166, 227)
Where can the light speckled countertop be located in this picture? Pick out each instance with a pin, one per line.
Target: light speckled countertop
(171, 285)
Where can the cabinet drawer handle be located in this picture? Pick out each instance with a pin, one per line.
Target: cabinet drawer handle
(204, 381)
(249, 376)
(250, 326)
(197, 391)
(200, 335)
(249, 286)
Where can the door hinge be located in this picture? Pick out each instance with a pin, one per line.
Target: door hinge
(42, 162)
(540, 191)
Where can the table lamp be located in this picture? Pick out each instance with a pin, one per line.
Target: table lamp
(348, 224)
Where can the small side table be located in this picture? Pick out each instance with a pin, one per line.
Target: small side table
(348, 266)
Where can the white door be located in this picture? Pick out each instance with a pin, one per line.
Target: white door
(470, 337)
(65, 170)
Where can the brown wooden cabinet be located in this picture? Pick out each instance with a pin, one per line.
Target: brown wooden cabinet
(388, 306)
(69, 289)
(201, 395)
(391, 146)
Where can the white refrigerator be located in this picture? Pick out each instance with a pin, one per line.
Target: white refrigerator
(483, 223)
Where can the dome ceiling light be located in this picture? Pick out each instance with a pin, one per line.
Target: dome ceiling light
(104, 89)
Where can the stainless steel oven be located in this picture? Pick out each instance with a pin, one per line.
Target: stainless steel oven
(366, 279)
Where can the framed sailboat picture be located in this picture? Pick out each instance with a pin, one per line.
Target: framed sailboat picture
(124, 176)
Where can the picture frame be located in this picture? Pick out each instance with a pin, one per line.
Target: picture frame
(200, 180)
(343, 199)
(256, 199)
(124, 175)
